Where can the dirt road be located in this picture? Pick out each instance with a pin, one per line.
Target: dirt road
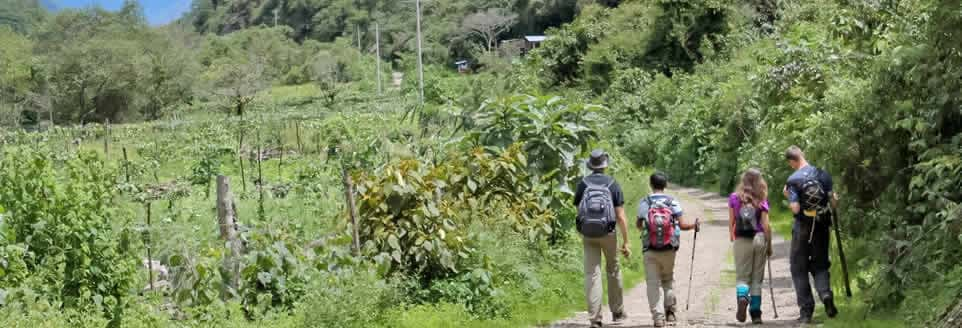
(713, 286)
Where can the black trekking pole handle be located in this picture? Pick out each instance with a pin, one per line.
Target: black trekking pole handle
(691, 273)
(841, 253)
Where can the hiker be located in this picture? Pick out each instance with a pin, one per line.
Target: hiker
(600, 205)
(660, 221)
(809, 193)
(751, 234)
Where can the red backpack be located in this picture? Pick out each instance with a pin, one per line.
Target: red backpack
(660, 225)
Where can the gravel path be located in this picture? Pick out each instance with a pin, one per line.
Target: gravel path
(712, 302)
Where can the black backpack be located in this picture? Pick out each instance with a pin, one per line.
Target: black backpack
(596, 212)
(746, 220)
(812, 196)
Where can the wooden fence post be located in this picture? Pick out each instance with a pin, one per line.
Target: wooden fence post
(297, 133)
(227, 222)
(127, 170)
(352, 210)
(260, 180)
(107, 139)
(150, 259)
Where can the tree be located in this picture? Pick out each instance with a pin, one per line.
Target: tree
(236, 80)
(489, 24)
(20, 15)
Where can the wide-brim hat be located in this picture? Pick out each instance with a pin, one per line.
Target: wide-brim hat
(597, 160)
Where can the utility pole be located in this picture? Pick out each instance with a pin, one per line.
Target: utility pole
(377, 45)
(417, 4)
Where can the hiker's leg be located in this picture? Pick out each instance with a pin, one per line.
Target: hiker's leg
(668, 279)
(821, 262)
(744, 259)
(609, 246)
(760, 249)
(593, 278)
(653, 283)
(798, 260)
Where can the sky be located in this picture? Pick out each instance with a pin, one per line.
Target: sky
(158, 12)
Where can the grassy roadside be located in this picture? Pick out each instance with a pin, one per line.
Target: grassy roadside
(562, 291)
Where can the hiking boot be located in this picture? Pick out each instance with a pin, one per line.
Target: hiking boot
(596, 324)
(670, 314)
(659, 322)
(756, 317)
(618, 317)
(805, 319)
(742, 308)
(830, 310)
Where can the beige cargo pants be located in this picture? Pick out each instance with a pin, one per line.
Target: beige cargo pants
(594, 248)
(750, 257)
(660, 278)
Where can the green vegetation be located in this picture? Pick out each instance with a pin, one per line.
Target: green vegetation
(868, 89)
(462, 201)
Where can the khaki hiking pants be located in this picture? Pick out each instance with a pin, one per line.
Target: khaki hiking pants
(660, 276)
(594, 247)
(750, 260)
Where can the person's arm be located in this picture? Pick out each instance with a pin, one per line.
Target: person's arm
(792, 199)
(731, 224)
(623, 227)
(767, 226)
(687, 225)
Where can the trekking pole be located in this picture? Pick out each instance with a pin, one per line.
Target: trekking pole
(771, 286)
(691, 274)
(841, 254)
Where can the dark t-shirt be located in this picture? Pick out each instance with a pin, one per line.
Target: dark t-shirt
(796, 180)
(616, 196)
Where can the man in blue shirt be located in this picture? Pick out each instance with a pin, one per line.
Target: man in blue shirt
(810, 193)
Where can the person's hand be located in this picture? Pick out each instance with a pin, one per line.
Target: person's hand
(626, 249)
(785, 191)
(770, 252)
(697, 225)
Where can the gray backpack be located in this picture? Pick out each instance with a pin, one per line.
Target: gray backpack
(596, 212)
(746, 220)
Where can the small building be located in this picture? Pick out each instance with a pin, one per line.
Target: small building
(532, 42)
(463, 66)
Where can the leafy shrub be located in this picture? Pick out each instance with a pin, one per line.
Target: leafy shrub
(64, 220)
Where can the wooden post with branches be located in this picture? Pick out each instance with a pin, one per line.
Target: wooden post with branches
(352, 210)
(227, 223)
(417, 4)
(260, 180)
(240, 160)
(377, 52)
